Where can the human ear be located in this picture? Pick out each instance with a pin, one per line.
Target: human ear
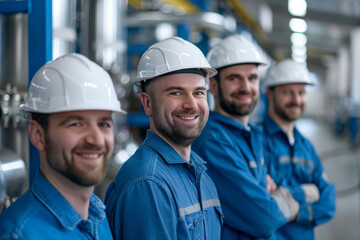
(37, 135)
(146, 102)
(269, 94)
(214, 88)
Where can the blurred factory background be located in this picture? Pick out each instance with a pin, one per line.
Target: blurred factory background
(325, 34)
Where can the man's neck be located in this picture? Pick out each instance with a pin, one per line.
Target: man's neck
(286, 126)
(183, 151)
(244, 120)
(77, 196)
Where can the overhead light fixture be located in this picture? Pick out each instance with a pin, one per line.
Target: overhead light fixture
(301, 59)
(298, 39)
(298, 50)
(297, 7)
(298, 54)
(298, 25)
(107, 29)
(164, 31)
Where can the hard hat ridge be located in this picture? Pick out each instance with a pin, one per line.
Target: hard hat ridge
(286, 72)
(70, 83)
(171, 55)
(233, 50)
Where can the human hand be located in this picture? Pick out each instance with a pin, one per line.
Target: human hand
(270, 184)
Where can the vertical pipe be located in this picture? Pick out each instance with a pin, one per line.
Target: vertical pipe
(355, 63)
(355, 84)
(14, 51)
(13, 80)
(40, 52)
(341, 83)
(64, 27)
(103, 33)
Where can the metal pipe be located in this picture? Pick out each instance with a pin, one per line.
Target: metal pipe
(208, 20)
(12, 174)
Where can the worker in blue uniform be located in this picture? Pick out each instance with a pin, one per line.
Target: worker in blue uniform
(253, 207)
(73, 132)
(163, 190)
(291, 158)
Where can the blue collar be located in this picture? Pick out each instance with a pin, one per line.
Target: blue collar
(59, 207)
(273, 128)
(167, 152)
(225, 120)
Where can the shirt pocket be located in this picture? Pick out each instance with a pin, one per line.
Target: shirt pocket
(195, 225)
(213, 221)
(304, 171)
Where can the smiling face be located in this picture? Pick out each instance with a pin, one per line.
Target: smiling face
(78, 145)
(177, 107)
(237, 92)
(287, 101)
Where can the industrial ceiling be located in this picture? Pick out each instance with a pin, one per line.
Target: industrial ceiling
(329, 24)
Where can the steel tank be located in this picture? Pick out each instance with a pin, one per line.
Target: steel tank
(14, 147)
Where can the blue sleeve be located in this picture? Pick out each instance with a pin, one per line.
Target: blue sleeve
(296, 191)
(143, 210)
(246, 204)
(323, 210)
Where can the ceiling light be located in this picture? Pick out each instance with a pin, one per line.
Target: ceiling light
(164, 31)
(298, 25)
(297, 7)
(301, 59)
(298, 39)
(298, 50)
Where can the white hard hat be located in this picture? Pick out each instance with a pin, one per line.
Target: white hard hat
(171, 55)
(70, 83)
(288, 71)
(234, 50)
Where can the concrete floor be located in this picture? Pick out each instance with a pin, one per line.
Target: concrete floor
(342, 164)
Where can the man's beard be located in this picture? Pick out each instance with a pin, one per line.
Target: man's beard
(233, 109)
(179, 134)
(81, 174)
(281, 111)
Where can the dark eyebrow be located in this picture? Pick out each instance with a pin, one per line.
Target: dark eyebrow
(79, 118)
(173, 88)
(69, 119)
(182, 89)
(201, 88)
(254, 74)
(107, 119)
(241, 76)
(233, 75)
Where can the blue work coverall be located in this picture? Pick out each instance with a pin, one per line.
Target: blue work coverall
(158, 195)
(235, 163)
(43, 213)
(293, 165)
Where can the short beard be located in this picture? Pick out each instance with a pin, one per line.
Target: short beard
(281, 113)
(70, 170)
(180, 137)
(232, 109)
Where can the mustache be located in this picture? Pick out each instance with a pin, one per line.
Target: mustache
(91, 147)
(293, 105)
(242, 92)
(188, 112)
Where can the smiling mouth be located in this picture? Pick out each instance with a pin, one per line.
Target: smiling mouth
(188, 118)
(242, 97)
(90, 155)
(294, 107)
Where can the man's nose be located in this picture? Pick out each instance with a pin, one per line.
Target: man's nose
(94, 135)
(190, 102)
